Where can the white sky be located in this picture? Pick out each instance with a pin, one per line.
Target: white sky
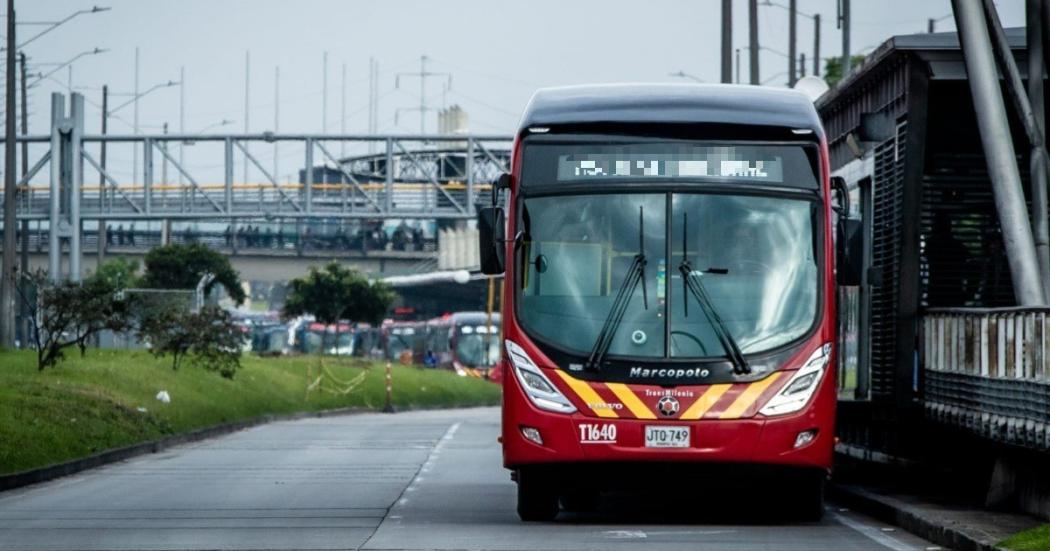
(498, 51)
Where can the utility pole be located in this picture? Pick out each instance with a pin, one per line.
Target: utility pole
(930, 23)
(375, 95)
(247, 108)
(727, 41)
(801, 64)
(792, 41)
(182, 119)
(423, 74)
(102, 230)
(752, 40)
(135, 120)
(342, 113)
(24, 260)
(816, 44)
(422, 95)
(276, 116)
(738, 65)
(371, 101)
(324, 93)
(844, 25)
(7, 288)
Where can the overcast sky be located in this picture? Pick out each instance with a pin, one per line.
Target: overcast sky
(498, 52)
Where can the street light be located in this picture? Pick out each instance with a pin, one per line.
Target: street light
(815, 17)
(55, 24)
(683, 74)
(61, 66)
(135, 97)
(223, 122)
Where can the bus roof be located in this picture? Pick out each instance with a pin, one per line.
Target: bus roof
(672, 104)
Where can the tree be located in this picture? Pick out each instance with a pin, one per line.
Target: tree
(833, 68)
(209, 338)
(182, 266)
(68, 314)
(118, 274)
(334, 293)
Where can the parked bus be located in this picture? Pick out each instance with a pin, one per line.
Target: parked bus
(403, 341)
(466, 342)
(669, 298)
(318, 338)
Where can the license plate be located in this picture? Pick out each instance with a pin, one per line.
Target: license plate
(666, 437)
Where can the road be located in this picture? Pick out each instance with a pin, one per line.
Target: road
(414, 480)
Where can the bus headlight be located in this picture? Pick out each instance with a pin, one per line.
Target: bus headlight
(797, 392)
(541, 392)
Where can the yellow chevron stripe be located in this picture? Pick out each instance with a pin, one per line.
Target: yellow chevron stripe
(630, 399)
(586, 393)
(748, 397)
(706, 401)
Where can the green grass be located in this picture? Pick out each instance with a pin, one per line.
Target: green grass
(88, 405)
(1036, 539)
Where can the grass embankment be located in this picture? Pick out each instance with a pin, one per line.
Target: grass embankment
(1036, 539)
(91, 404)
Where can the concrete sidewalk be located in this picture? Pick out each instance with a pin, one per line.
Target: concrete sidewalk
(953, 525)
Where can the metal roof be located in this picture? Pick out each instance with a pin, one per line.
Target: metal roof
(671, 104)
(940, 46)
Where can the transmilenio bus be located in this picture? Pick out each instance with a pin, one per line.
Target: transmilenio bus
(669, 298)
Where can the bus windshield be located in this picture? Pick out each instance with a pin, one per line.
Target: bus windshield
(754, 255)
(476, 346)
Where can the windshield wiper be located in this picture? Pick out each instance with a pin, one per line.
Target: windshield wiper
(635, 274)
(691, 284)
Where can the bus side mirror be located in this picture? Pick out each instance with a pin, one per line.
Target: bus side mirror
(849, 239)
(849, 256)
(491, 237)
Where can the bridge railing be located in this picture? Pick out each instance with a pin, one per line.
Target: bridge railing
(987, 371)
(252, 175)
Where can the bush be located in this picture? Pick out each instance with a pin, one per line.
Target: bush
(209, 338)
(68, 314)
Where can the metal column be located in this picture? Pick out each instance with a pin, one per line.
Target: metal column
(1039, 165)
(76, 114)
(470, 175)
(54, 243)
(388, 201)
(147, 173)
(999, 152)
(228, 175)
(308, 185)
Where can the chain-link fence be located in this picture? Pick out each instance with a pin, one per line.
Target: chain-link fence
(145, 304)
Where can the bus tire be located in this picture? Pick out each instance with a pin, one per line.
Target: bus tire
(579, 500)
(810, 498)
(537, 498)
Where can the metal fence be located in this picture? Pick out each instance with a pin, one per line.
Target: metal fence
(986, 371)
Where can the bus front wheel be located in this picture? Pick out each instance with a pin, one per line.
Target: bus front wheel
(537, 497)
(810, 498)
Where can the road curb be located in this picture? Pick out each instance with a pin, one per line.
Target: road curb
(58, 470)
(911, 518)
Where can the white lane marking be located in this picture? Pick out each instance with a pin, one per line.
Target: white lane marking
(689, 532)
(625, 534)
(427, 465)
(875, 534)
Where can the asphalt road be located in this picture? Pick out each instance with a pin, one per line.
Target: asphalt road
(416, 480)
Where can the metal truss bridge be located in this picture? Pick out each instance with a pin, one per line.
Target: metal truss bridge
(229, 177)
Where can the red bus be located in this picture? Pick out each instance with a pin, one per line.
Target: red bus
(403, 341)
(465, 342)
(670, 297)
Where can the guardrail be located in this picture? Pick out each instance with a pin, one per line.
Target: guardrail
(987, 371)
